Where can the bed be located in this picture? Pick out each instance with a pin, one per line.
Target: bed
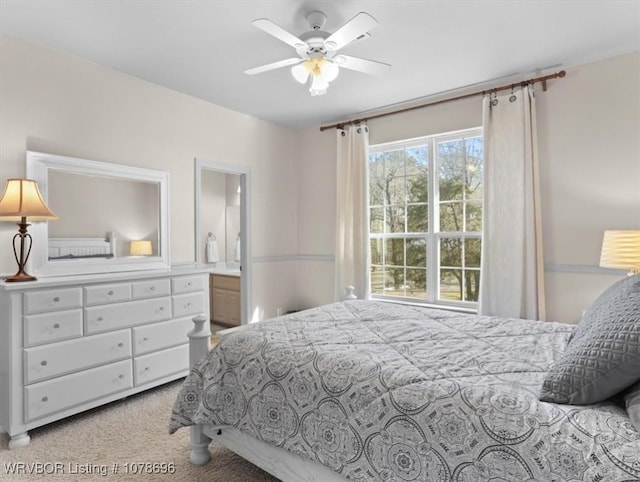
(82, 248)
(365, 390)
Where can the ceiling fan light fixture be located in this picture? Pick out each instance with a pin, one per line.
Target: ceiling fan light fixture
(300, 72)
(318, 86)
(329, 71)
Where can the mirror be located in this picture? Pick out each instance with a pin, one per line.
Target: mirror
(112, 217)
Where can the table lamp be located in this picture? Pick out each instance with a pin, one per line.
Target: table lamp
(22, 202)
(621, 250)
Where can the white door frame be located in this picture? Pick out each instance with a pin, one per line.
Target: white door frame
(245, 225)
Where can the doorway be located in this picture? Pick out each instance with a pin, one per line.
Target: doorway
(222, 236)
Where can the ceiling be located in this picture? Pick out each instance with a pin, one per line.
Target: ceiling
(202, 47)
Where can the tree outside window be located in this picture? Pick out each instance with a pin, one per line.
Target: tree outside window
(426, 218)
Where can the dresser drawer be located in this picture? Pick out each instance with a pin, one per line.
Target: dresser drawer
(231, 283)
(161, 364)
(122, 315)
(49, 327)
(161, 335)
(187, 284)
(151, 288)
(69, 356)
(48, 397)
(52, 300)
(101, 294)
(190, 304)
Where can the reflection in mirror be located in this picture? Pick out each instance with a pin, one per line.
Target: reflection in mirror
(131, 213)
(112, 217)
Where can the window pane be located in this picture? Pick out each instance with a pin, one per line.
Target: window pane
(416, 283)
(376, 179)
(416, 161)
(417, 218)
(376, 252)
(473, 214)
(417, 189)
(450, 252)
(395, 219)
(472, 284)
(450, 284)
(451, 217)
(451, 169)
(394, 252)
(473, 183)
(377, 280)
(394, 281)
(376, 220)
(417, 253)
(472, 251)
(395, 190)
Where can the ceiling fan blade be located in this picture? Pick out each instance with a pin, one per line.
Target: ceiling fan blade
(274, 65)
(354, 28)
(361, 65)
(278, 32)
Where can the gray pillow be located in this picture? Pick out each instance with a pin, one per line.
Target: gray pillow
(632, 402)
(603, 357)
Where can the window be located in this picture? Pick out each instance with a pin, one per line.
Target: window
(425, 201)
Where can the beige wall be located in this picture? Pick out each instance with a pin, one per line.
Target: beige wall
(51, 102)
(589, 145)
(589, 138)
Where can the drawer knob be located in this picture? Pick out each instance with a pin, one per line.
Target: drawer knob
(187, 305)
(121, 376)
(56, 299)
(99, 319)
(56, 326)
(110, 293)
(120, 344)
(45, 399)
(145, 339)
(146, 369)
(152, 288)
(43, 363)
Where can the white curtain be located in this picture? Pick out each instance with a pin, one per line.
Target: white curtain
(512, 279)
(352, 212)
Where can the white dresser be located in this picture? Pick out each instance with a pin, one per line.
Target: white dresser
(72, 343)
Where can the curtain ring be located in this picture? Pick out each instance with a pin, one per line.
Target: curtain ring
(494, 102)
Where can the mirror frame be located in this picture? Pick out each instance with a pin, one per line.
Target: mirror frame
(38, 166)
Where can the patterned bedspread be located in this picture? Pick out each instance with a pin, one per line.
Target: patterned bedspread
(378, 391)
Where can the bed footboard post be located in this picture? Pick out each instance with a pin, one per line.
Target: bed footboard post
(199, 345)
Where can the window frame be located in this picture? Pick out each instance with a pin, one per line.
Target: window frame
(433, 235)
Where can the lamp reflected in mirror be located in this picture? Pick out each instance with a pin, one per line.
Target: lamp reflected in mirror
(140, 248)
(21, 201)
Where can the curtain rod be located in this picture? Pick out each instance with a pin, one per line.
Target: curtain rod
(542, 79)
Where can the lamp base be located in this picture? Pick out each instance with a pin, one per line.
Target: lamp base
(20, 276)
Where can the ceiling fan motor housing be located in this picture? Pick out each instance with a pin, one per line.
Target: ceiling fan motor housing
(316, 19)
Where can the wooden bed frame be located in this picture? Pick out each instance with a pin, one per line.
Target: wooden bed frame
(278, 462)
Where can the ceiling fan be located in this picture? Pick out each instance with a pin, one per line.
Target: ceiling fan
(317, 51)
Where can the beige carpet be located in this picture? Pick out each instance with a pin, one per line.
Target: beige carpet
(133, 430)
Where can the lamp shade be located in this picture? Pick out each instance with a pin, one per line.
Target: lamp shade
(140, 248)
(22, 199)
(621, 249)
